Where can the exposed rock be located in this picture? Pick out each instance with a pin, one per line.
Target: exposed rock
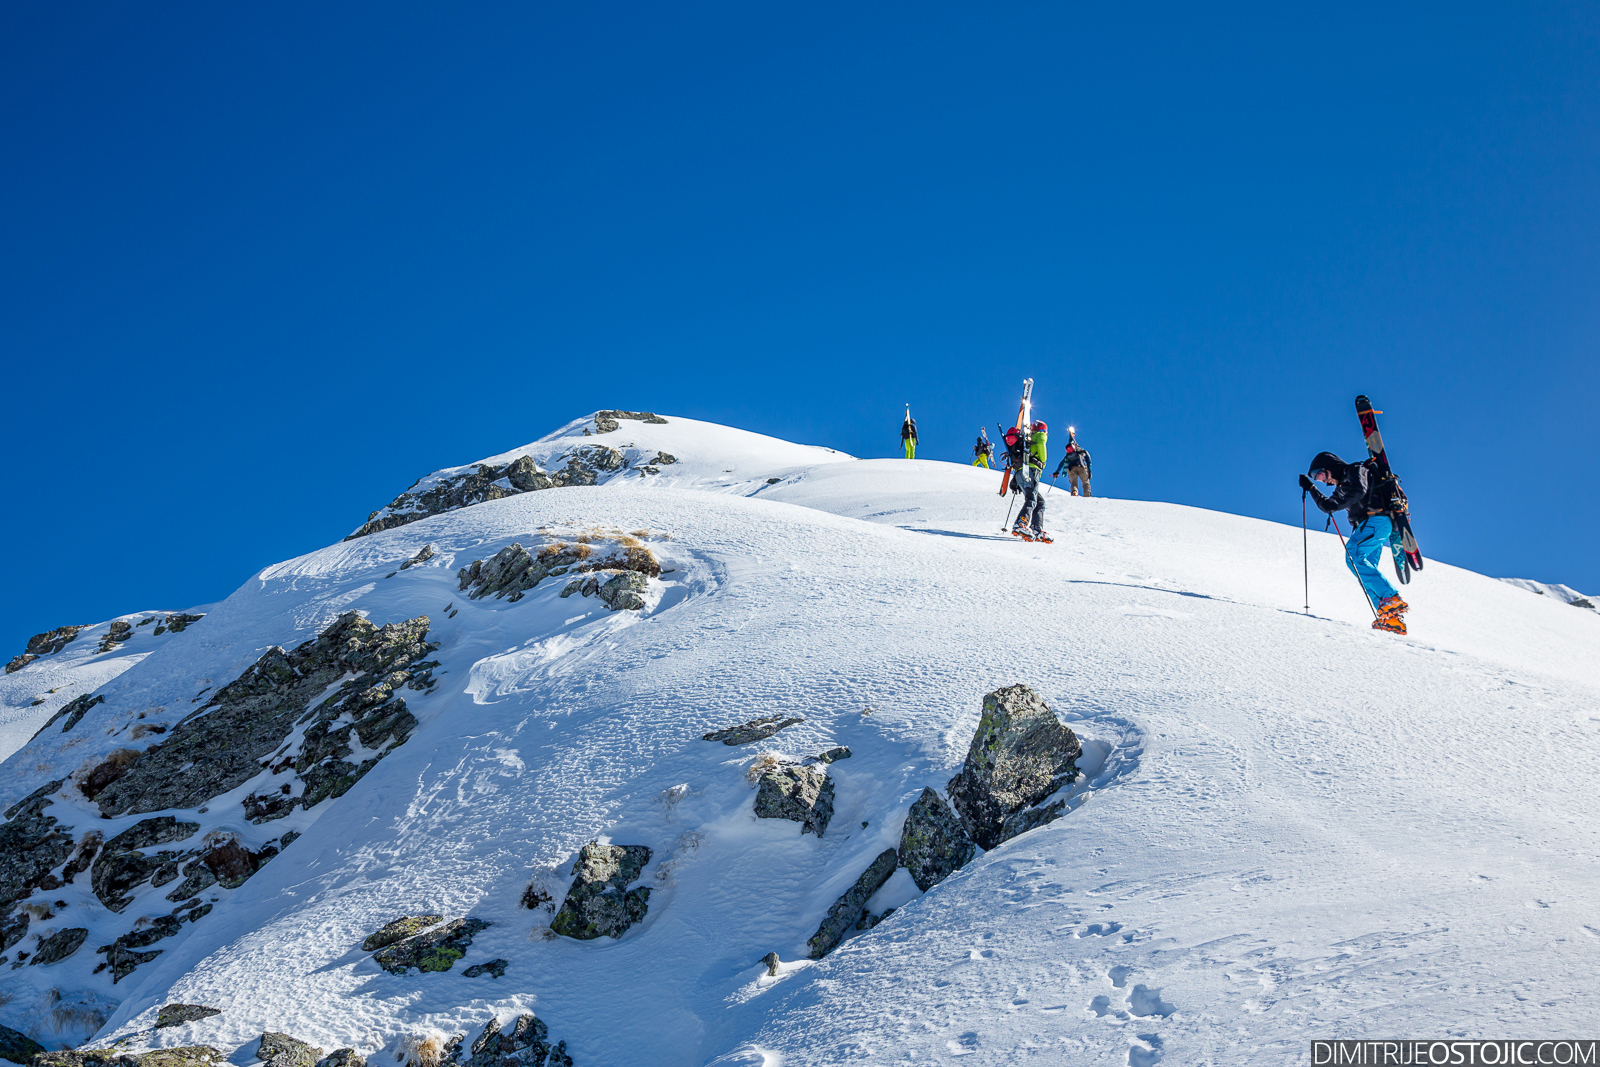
(16, 664)
(87, 847)
(1021, 822)
(495, 968)
(799, 794)
(32, 844)
(343, 1057)
(177, 623)
(13, 928)
(123, 960)
(423, 556)
(281, 1050)
(607, 421)
(72, 711)
(600, 904)
(621, 592)
(933, 846)
(525, 476)
(752, 731)
(1019, 755)
(830, 756)
(525, 1044)
(121, 865)
(107, 771)
(94, 1057)
(178, 1014)
(192, 1056)
(772, 961)
(198, 878)
(119, 632)
(221, 746)
(473, 487)
(847, 910)
(59, 945)
(51, 641)
(513, 571)
(436, 950)
(18, 1047)
(664, 459)
(398, 930)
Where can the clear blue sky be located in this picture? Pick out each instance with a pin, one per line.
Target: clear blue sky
(266, 264)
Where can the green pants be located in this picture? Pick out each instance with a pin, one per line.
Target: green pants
(911, 447)
(982, 461)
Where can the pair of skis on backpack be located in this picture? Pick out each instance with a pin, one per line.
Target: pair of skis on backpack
(1407, 556)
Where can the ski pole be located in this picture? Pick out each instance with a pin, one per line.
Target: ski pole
(1370, 605)
(1007, 524)
(1305, 549)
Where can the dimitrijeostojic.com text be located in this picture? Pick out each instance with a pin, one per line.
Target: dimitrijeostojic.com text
(1416, 1053)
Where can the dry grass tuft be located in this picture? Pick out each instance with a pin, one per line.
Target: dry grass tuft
(761, 765)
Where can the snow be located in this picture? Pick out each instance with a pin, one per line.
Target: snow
(1290, 826)
(1565, 594)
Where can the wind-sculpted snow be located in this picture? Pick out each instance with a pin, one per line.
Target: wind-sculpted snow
(1285, 825)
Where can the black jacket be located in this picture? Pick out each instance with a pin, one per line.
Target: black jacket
(1350, 494)
(908, 430)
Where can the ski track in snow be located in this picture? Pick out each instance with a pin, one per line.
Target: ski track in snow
(1289, 826)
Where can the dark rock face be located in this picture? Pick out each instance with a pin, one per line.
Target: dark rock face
(281, 1050)
(72, 711)
(32, 844)
(59, 945)
(13, 928)
(221, 746)
(513, 571)
(46, 644)
(608, 421)
(178, 1014)
(121, 866)
(933, 846)
(422, 556)
(1020, 754)
(436, 950)
(830, 756)
(494, 968)
(15, 665)
(525, 1044)
(800, 794)
(398, 930)
(752, 731)
(343, 1057)
(600, 904)
(176, 623)
(118, 632)
(849, 908)
(18, 1047)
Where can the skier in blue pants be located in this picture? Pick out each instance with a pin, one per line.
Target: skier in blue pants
(1363, 551)
(1370, 531)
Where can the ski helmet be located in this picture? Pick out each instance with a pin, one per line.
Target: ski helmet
(1327, 461)
(1039, 426)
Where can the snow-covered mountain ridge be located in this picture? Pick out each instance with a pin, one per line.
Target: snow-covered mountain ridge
(1288, 825)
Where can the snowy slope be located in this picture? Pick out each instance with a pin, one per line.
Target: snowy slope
(1563, 593)
(1290, 825)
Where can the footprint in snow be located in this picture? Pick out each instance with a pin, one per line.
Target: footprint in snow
(1144, 1050)
(1119, 976)
(1146, 1002)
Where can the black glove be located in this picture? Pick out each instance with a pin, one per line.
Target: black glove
(1306, 483)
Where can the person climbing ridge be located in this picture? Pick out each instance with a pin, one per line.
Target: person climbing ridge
(1370, 531)
(1075, 462)
(983, 449)
(908, 434)
(1026, 452)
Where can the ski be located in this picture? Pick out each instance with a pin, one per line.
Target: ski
(1407, 556)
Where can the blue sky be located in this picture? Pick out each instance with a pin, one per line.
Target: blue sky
(266, 265)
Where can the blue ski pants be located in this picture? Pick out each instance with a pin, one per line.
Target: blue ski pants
(1363, 551)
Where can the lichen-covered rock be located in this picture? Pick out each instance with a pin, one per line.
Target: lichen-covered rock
(524, 1044)
(119, 632)
(13, 928)
(799, 794)
(18, 1047)
(847, 910)
(1019, 755)
(343, 1057)
(476, 486)
(436, 950)
(281, 1050)
(93, 1057)
(933, 846)
(398, 930)
(752, 731)
(830, 756)
(220, 747)
(190, 1056)
(176, 623)
(32, 844)
(16, 664)
(121, 865)
(600, 904)
(772, 962)
(72, 711)
(59, 945)
(178, 1014)
(422, 556)
(607, 421)
(621, 591)
(494, 968)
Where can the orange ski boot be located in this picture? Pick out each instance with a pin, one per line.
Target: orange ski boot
(1392, 623)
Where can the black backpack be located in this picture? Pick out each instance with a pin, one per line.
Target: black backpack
(1384, 495)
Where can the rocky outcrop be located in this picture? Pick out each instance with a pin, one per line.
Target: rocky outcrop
(849, 908)
(32, 844)
(178, 1014)
(46, 644)
(422, 556)
(608, 421)
(513, 571)
(119, 632)
(281, 1050)
(176, 623)
(122, 864)
(436, 950)
(800, 794)
(189, 1056)
(72, 711)
(59, 945)
(343, 1057)
(398, 930)
(1019, 755)
(933, 846)
(18, 1047)
(600, 904)
(13, 928)
(525, 1043)
(755, 730)
(221, 746)
(494, 968)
